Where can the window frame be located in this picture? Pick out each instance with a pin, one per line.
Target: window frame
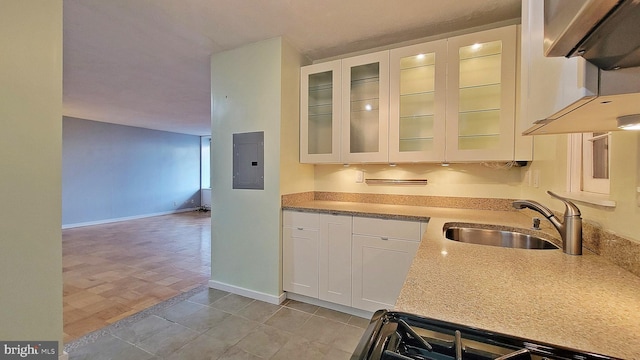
(580, 162)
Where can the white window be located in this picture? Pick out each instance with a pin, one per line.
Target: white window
(205, 162)
(589, 163)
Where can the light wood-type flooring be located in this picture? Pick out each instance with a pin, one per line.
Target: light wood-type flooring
(114, 270)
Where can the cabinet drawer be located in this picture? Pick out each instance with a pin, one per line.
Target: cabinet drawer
(396, 229)
(300, 219)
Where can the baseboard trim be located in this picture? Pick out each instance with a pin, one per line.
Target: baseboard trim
(107, 221)
(257, 295)
(329, 305)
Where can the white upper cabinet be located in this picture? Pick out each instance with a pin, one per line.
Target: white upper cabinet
(365, 108)
(417, 98)
(320, 112)
(481, 96)
(447, 100)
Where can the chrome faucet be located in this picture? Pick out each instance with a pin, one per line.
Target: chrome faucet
(570, 231)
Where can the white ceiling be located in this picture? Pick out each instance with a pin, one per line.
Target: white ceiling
(145, 63)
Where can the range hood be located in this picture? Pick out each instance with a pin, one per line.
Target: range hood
(606, 33)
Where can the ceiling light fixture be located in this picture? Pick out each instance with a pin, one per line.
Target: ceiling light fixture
(629, 122)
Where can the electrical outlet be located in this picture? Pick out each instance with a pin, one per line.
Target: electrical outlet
(536, 178)
(359, 176)
(527, 177)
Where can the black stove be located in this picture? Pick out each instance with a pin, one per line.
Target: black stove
(402, 336)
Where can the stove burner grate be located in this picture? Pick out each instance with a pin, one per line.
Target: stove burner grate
(403, 336)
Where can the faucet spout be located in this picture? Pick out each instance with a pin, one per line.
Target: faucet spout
(570, 230)
(533, 205)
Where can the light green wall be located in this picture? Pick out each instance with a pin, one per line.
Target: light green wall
(551, 162)
(248, 89)
(294, 176)
(30, 179)
(475, 180)
(469, 180)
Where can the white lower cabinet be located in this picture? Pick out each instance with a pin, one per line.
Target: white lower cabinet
(352, 261)
(382, 254)
(316, 256)
(335, 259)
(300, 249)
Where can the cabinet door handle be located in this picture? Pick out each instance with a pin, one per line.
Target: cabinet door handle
(384, 238)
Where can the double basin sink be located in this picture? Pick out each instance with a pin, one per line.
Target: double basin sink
(511, 238)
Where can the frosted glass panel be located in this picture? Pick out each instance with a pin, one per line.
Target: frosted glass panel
(324, 109)
(364, 89)
(320, 89)
(415, 80)
(364, 114)
(416, 145)
(481, 49)
(320, 95)
(321, 79)
(480, 71)
(417, 60)
(480, 98)
(320, 134)
(480, 94)
(417, 104)
(369, 105)
(416, 127)
(478, 142)
(320, 118)
(365, 132)
(365, 71)
(479, 123)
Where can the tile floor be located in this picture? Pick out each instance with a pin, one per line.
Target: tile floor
(213, 324)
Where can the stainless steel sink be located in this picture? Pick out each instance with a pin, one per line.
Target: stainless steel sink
(497, 237)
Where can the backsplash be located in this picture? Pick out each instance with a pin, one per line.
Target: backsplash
(420, 200)
(617, 249)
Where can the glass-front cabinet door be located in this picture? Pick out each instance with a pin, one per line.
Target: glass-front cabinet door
(365, 108)
(481, 96)
(320, 113)
(417, 102)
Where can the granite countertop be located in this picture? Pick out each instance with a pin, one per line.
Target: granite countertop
(384, 211)
(583, 302)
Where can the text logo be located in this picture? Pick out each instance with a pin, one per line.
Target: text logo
(30, 350)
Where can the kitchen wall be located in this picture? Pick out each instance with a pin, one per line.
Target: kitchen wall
(254, 88)
(114, 172)
(476, 180)
(30, 179)
(470, 180)
(551, 162)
